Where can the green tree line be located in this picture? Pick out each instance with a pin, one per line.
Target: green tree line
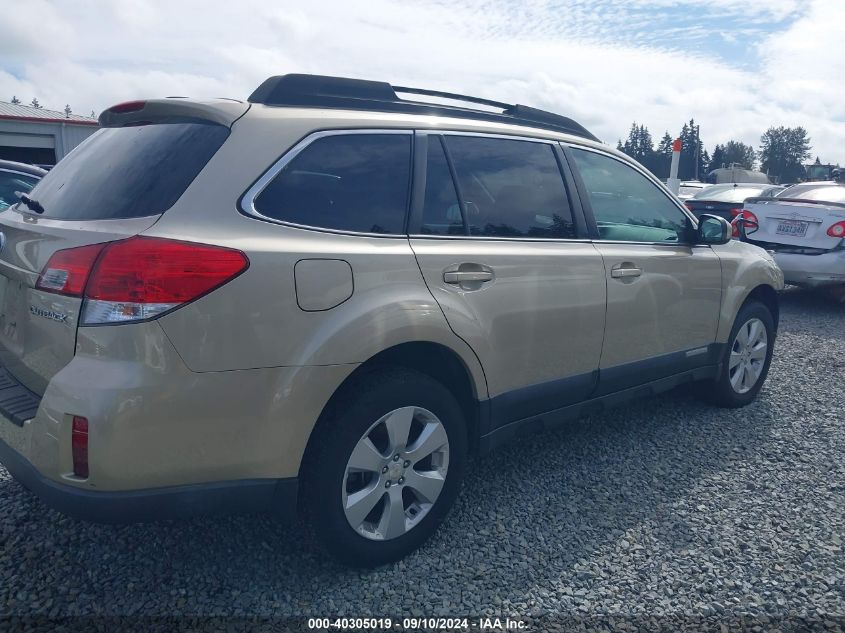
(781, 153)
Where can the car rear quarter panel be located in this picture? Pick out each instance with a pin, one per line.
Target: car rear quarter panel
(255, 321)
(744, 268)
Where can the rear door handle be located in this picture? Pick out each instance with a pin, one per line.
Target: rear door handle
(623, 271)
(464, 276)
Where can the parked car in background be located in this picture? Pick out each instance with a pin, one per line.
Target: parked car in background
(804, 225)
(327, 297)
(726, 200)
(689, 188)
(16, 178)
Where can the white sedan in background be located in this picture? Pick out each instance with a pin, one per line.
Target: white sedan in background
(804, 225)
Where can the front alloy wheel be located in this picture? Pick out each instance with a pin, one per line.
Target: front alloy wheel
(748, 355)
(395, 473)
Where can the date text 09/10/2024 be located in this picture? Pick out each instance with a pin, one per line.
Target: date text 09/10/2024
(420, 623)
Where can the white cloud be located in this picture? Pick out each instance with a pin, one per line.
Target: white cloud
(604, 62)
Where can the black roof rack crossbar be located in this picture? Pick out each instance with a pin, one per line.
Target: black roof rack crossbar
(359, 94)
(452, 96)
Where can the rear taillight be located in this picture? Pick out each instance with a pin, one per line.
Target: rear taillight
(67, 271)
(79, 446)
(139, 278)
(744, 214)
(735, 212)
(837, 230)
(689, 207)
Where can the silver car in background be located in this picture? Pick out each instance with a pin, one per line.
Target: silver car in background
(804, 225)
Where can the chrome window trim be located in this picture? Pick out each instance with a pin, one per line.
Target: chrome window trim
(649, 176)
(247, 203)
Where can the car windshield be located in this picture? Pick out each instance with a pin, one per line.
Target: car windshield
(819, 193)
(729, 193)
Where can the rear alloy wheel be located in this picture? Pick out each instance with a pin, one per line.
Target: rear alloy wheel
(384, 466)
(747, 358)
(395, 473)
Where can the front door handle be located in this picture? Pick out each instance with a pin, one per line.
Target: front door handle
(623, 271)
(465, 276)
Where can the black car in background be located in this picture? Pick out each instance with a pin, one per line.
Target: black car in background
(16, 177)
(726, 200)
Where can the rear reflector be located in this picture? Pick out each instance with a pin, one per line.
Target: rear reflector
(837, 230)
(79, 446)
(139, 278)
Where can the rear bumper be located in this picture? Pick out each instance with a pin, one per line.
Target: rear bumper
(276, 496)
(812, 270)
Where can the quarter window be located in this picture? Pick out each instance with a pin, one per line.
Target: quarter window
(441, 210)
(349, 182)
(627, 206)
(510, 188)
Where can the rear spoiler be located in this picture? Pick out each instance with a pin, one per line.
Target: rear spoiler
(841, 205)
(173, 110)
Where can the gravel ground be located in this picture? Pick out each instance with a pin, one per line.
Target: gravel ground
(662, 514)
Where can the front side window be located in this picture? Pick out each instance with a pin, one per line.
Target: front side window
(346, 182)
(627, 206)
(510, 188)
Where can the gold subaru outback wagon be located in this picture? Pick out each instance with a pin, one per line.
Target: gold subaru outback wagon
(321, 301)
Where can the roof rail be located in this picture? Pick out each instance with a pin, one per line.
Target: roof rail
(359, 94)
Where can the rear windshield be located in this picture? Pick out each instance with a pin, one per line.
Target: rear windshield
(823, 193)
(729, 193)
(128, 172)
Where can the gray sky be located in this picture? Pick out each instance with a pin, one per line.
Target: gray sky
(737, 66)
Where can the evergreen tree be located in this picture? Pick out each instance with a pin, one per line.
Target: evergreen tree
(34, 103)
(663, 156)
(15, 100)
(640, 146)
(68, 111)
(717, 161)
(691, 165)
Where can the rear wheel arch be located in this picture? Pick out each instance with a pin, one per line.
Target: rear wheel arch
(436, 361)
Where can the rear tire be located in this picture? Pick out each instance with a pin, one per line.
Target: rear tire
(746, 360)
(384, 467)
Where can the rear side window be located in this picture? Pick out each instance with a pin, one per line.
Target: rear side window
(128, 172)
(824, 193)
(12, 182)
(350, 182)
(510, 188)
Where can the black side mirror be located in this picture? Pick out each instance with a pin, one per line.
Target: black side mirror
(713, 229)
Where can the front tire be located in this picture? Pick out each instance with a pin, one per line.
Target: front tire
(747, 358)
(385, 466)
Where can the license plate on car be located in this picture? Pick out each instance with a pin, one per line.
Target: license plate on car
(793, 228)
